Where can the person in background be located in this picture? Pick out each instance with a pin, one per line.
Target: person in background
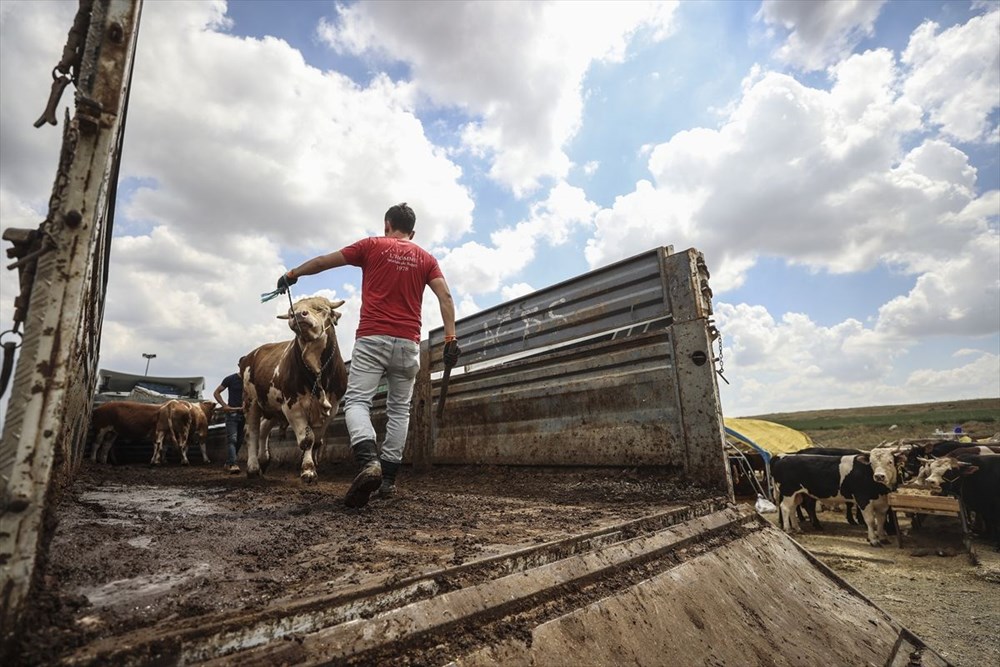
(395, 272)
(235, 421)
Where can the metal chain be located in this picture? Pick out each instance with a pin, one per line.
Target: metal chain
(720, 363)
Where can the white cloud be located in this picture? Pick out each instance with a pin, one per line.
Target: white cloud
(516, 67)
(510, 292)
(798, 365)
(955, 75)
(820, 33)
(821, 179)
(959, 295)
(259, 142)
(236, 150)
(476, 268)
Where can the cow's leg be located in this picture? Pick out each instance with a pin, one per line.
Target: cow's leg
(264, 456)
(107, 442)
(306, 438)
(203, 444)
(880, 507)
(870, 515)
(99, 439)
(157, 448)
(253, 419)
(182, 444)
(849, 513)
(788, 507)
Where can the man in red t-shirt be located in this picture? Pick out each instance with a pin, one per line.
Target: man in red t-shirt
(394, 273)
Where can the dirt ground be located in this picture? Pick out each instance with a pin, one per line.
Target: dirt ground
(129, 548)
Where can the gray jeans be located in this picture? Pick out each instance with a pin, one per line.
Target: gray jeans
(398, 359)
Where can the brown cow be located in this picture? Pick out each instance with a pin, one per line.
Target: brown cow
(299, 381)
(126, 419)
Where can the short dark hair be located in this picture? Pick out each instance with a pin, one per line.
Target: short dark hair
(401, 217)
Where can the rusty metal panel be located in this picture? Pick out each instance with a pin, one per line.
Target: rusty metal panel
(610, 403)
(616, 296)
(49, 405)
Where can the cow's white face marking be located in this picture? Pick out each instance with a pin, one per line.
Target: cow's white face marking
(933, 471)
(883, 461)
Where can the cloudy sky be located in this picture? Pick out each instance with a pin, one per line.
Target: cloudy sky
(837, 162)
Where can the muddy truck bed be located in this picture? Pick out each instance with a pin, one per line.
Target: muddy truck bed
(472, 565)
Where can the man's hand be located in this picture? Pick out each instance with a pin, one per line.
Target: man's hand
(285, 281)
(451, 353)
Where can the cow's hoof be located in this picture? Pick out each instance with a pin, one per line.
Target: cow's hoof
(253, 473)
(308, 476)
(185, 463)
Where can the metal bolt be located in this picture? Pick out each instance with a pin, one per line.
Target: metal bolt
(116, 33)
(72, 219)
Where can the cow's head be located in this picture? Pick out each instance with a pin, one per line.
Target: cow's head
(311, 317)
(947, 469)
(886, 461)
(208, 407)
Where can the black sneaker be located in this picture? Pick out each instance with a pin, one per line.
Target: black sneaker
(364, 485)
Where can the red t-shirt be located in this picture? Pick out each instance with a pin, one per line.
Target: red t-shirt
(394, 274)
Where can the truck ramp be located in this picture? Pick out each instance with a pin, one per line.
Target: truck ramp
(707, 584)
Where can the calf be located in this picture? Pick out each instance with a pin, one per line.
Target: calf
(975, 480)
(299, 381)
(833, 479)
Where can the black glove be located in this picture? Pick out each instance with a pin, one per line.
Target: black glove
(451, 353)
(286, 281)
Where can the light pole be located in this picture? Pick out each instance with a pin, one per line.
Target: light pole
(148, 357)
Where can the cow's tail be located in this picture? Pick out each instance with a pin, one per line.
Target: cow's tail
(172, 408)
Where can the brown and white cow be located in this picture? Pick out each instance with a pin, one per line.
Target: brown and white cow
(202, 413)
(299, 381)
(184, 423)
(174, 419)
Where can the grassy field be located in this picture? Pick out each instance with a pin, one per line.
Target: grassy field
(869, 426)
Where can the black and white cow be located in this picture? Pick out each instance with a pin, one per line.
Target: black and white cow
(809, 504)
(831, 479)
(974, 479)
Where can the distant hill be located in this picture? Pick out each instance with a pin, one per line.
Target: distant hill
(869, 426)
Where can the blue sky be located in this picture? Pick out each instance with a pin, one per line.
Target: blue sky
(837, 162)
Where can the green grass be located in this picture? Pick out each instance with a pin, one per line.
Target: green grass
(942, 415)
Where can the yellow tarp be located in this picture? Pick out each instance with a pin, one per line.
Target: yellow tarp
(774, 438)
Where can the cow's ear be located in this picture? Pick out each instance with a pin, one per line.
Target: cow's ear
(968, 468)
(863, 458)
(336, 317)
